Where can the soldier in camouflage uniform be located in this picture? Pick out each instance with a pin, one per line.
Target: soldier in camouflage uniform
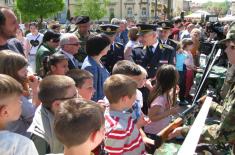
(225, 131)
(83, 33)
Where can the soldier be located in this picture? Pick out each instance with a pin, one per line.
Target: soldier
(165, 32)
(152, 55)
(225, 131)
(116, 51)
(155, 53)
(83, 33)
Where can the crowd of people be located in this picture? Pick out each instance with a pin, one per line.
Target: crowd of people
(108, 91)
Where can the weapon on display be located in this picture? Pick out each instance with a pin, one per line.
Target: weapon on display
(196, 104)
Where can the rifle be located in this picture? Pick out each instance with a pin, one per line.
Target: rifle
(189, 112)
(185, 115)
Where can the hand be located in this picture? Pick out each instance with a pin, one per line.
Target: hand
(103, 104)
(176, 132)
(142, 121)
(33, 82)
(148, 84)
(175, 109)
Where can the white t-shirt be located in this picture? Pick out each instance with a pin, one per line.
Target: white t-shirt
(15, 144)
(32, 38)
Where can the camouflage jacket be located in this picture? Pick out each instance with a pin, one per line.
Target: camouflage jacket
(225, 131)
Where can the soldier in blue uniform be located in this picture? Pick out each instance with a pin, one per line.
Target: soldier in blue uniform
(116, 51)
(154, 53)
(165, 32)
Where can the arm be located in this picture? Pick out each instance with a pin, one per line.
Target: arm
(155, 113)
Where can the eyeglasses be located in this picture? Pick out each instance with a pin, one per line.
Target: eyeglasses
(74, 44)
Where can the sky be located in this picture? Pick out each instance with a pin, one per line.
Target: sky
(203, 1)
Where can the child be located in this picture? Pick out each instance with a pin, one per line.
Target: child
(15, 65)
(137, 74)
(52, 90)
(79, 125)
(122, 135)
(181, 68)
(84, 82)
(160, 107)
(56, 64)
(190, 67)
(10, 110)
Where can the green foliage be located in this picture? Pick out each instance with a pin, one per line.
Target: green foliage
(95, 9)
(39, 8)
(22, 17)
(217, 7)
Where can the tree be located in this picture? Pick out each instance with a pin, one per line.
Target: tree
(39, 8)
(94, 9)
(218, 8)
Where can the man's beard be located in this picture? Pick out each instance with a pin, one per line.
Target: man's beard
(5, 35)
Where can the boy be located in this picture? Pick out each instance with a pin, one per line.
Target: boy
(122, 135)
(79, 125)
(52, 90)
(10, 110)
(137, 74)
(83, 81)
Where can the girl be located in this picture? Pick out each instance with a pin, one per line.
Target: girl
(160, 100)
(25, 43)
(96, 47)
(15, 65)
(187, 45)
(56, 64)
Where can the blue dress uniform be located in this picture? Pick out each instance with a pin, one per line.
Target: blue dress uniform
(163, 54)
(116, 51)
(138, 54)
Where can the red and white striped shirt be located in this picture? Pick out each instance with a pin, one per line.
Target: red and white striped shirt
(122, 135)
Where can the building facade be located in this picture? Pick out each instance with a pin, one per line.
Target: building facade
(139, 10)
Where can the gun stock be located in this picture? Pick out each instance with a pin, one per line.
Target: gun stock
(167, 130)
(180, 120)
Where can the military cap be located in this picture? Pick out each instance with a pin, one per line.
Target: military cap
(82, 19)
(109, 29)
(165, 25)
(145, 28)
(231, 33)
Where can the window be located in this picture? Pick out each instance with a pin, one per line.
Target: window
(144, 12)
(129, 12)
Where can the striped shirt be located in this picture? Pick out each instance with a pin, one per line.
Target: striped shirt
(122, 135)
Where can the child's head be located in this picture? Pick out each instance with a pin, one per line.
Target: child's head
(130, 69)
(142, 78)
(84, 82)
(14, 65)
(10, 103)
(119, 89)
(79, 122)
(55, 88)
(166, 79)
(56, 64)
(187, 44)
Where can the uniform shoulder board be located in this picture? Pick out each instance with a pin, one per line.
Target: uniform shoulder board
(167, 46)
(118, 45)
(173, 41)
